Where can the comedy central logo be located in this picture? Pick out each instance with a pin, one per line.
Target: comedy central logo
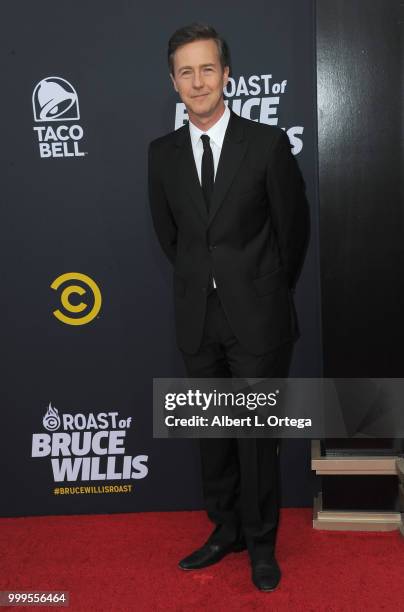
(86, 311)
(55, 99)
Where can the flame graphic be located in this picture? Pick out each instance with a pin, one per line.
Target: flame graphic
(51, 420)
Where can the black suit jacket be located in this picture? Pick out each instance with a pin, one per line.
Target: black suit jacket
(252, 241)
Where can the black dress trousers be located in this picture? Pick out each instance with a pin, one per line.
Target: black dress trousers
(240, 476)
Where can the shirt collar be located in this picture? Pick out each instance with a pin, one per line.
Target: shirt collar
(215, 133)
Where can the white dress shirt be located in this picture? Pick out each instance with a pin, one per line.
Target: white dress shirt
(216, 134)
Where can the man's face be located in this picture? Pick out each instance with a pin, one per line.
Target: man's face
(199, 78)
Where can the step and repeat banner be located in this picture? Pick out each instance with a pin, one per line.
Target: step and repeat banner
(86, 294)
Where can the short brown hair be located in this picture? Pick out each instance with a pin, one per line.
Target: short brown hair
(197, 31)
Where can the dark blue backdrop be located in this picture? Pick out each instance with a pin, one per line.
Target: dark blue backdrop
(84, 210)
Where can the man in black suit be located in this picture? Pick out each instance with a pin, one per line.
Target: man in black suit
(229, 210)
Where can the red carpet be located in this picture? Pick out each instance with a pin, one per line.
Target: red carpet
(125, 562)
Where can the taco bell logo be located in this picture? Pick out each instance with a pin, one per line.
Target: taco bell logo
(55, 100)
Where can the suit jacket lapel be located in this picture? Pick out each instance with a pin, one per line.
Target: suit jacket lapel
(189, 172)
(233, 150)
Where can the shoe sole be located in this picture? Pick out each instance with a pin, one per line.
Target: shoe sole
(268, 590)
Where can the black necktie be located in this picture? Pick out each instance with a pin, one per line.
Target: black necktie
(208, 178)
(207, 172)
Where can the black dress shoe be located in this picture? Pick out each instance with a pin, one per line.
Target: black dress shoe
(209, 554)
(266, 574)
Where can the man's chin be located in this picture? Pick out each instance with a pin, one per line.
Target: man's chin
(202, 111)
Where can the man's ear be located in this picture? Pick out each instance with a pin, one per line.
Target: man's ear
(173, 80)
(226, 71)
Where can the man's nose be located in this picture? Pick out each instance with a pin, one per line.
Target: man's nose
(197, 81)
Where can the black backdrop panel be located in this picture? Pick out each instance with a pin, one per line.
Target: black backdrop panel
(360, 51)
(84, 91)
